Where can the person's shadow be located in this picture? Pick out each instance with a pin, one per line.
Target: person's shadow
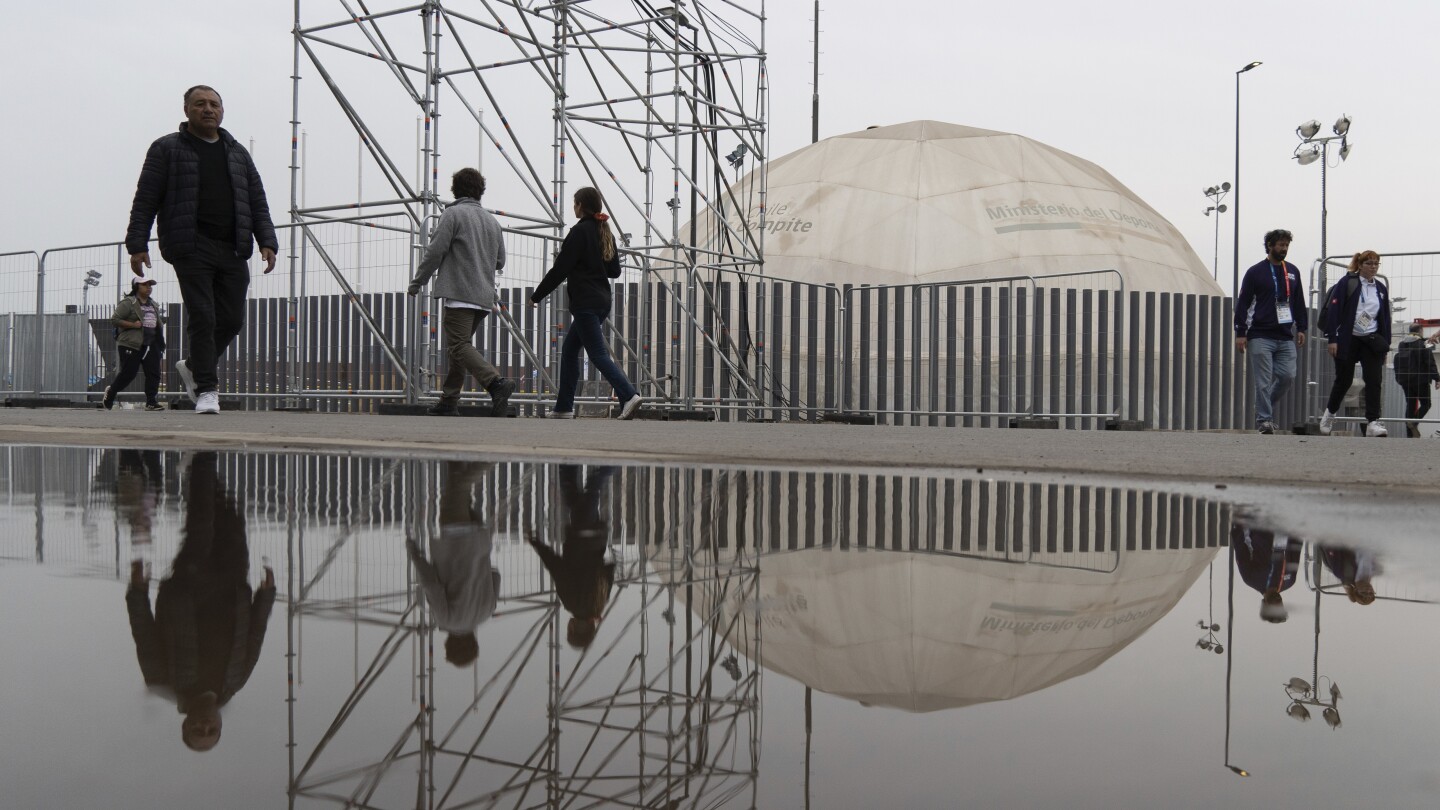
(583, 571)
(201, 643)
(460, 584)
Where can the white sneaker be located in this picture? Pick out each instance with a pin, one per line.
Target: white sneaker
(187, 379)
(208, 402)
(1376, 430)
(631, 406)
(1327, 422)
(560, 415)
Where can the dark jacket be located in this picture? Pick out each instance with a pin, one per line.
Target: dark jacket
(169, 187)
(1423, 372)
(587, 276)
(1340, 315)
(1265, 562)
(169, 644)
(1255, 304)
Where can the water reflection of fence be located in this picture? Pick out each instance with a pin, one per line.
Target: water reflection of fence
(350, 515)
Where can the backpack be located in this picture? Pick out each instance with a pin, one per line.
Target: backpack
(1351, 281)
(1409, 362)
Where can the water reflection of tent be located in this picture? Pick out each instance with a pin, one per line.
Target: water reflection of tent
(925, 631)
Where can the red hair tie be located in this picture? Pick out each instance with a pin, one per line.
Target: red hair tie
(602, 216)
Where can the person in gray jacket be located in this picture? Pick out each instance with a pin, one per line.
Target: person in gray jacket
(466, 250)
(140, 342)
(460, 584)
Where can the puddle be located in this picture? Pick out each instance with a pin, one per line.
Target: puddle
(447, 633)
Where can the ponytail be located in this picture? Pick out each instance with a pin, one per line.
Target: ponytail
(593, 205)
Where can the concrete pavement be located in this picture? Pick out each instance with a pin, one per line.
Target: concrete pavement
(1395, 466)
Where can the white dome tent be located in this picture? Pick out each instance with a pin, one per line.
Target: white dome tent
(931, 273)
(930, 202)
(924, 631)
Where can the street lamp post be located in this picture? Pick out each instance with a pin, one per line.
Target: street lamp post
(1235, 269)
(1216, 194)
(1312, 148)
(1304, 693)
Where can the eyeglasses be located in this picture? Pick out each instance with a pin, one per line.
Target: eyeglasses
(1370, 264)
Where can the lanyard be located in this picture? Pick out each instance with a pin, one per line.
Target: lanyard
(1276, 284)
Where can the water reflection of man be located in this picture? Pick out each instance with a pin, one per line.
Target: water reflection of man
(1354, 568)
(139, 481)
(1268, 563)
(584, 570)
(458, 581)
(204, 637)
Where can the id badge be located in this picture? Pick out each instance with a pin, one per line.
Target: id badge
(1363, 322)
(1282, 314)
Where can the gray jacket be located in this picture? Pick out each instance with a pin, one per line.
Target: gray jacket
(467, 248)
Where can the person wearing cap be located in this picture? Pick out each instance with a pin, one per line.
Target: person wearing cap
(202, 187)
(140, 342)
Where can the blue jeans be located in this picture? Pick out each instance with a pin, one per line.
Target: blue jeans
(585, 333)
(1272, 369)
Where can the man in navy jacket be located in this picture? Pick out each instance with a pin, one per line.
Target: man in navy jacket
(207, 194)
(1270, 323)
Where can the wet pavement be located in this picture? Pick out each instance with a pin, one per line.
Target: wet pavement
(445, 629)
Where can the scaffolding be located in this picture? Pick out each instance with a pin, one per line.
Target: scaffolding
(650, 104)
(659, 711)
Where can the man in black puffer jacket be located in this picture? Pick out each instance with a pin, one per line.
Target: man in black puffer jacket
(211, 206)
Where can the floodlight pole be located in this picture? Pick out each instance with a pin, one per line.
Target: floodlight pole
(1235, 268)
(815, 95)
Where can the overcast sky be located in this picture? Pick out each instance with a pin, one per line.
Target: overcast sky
(1144, 89)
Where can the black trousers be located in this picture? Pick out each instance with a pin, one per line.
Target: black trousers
(131, 361)
(1417, 400)
(213, 283)
(1372, 369)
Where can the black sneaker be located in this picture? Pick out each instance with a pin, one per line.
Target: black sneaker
(154, 406)
(1267, 428)
(500, 392)
(442, 409)
(109, 401)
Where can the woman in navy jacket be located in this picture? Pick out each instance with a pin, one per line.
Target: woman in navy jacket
(587, 261)
(1358, 331)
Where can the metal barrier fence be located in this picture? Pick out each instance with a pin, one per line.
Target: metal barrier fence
(1078, 348)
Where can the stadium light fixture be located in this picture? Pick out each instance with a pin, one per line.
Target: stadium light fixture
(1312, 148)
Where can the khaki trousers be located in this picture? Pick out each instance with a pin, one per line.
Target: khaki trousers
(459, 334)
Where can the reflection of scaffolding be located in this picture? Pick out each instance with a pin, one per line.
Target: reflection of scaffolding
(656, 713)
(636, 97)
